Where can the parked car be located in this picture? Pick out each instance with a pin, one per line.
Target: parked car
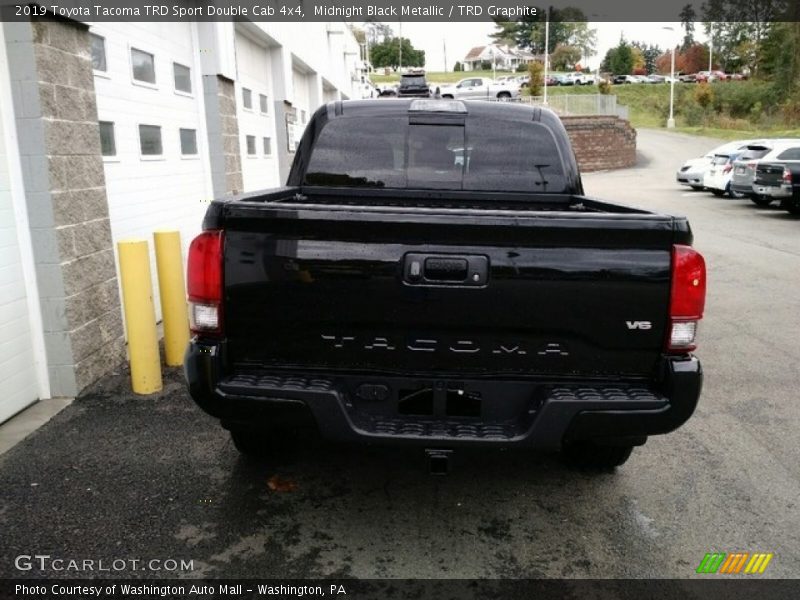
(622, 79)
(564, 80)
(473, 88)
(744, 169)
(413, 85)
(655, 78)
(551, 80)
(401, 323)
(693, 171)
(777, 178)
(578, 78)
(687, 77)
(717, 178)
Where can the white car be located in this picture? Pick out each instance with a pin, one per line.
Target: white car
(476, 88)
(579, 78)
(693, 171)
(717, 178)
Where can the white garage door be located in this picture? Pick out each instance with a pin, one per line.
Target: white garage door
(18, 384)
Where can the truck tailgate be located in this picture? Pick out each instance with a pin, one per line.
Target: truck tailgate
(545, 294)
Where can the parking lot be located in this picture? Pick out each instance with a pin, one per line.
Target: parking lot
(118, 477)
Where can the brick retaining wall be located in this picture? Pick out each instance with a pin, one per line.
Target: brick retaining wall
(601, 142)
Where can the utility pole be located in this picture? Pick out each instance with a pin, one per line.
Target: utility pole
(444, 49)
(400, 41)
(710, 46)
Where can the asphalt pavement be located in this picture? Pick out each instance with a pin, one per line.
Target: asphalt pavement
(115, 476)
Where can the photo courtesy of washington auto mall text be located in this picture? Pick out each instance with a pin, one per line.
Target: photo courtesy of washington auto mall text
(399, 300)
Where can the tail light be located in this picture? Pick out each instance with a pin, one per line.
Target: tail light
(205, 283)
(787, 176)
(687, 298)
(727, 168)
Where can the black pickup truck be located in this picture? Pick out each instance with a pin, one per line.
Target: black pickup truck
(432, 275)
(781, 181)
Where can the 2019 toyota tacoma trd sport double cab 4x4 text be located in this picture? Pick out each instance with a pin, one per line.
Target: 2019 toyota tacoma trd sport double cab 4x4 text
(432, 274)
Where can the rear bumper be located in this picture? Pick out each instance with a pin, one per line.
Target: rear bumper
(742, 188)
(359, 408)
(773, 191)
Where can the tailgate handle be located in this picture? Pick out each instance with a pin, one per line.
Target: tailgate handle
(444, 269)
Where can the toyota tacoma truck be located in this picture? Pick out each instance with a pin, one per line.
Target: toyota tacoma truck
(432, 275)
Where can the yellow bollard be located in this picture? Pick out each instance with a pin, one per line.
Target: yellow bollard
(172, 292)
(140, 316)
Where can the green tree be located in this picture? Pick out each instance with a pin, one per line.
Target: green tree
(568, 27)
(387, 54)
(621, 61)
(564, 58)
(457, 67)
(649, 56)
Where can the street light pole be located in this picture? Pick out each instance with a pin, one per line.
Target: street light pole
(671, 120)
(710, 47)
(546, 52)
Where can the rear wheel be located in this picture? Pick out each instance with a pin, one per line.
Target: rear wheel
(760, 200)
(718, 193)
(794, 208)
(697, 188)
(504, 95)
(595, 457)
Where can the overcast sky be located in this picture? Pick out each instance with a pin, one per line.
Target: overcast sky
(458, 38)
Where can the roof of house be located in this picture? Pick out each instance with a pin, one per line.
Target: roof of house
(474, 53)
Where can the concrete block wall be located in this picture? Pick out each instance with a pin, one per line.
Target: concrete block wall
(54, 101)
(601, 142)
(223, 134)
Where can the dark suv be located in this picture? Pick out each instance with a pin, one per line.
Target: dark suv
(413, 85)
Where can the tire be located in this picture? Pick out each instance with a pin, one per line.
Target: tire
(448, 96)
(794, 208)
(718, 193)
(760, 200)
(595, 457)
(504, 96)
(697, 188)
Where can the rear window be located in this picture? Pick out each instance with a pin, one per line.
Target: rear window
(486, 154)
(412, 80)
(720, 159)
(790, 154)
(753, 154)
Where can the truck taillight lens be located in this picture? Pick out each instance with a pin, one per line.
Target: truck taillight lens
(787, 176)
(727, 168)
(687, 298)
(204, 283)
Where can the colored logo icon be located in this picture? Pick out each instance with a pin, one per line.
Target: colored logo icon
(735, 563)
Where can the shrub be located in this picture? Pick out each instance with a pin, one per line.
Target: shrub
(703, 95)
(536, 72)
(604, 87)
(457, 67)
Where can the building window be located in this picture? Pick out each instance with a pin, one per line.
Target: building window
(188, 141)
(267, 146)
(247, 98)
(150, 140)
(251, 145)
(144, 66)
(183, 78)
(108, 146)
(263, 101)
(98, 52)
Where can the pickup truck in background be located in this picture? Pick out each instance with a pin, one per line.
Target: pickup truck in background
(477, 88)
(780, 181)
(433, 275)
